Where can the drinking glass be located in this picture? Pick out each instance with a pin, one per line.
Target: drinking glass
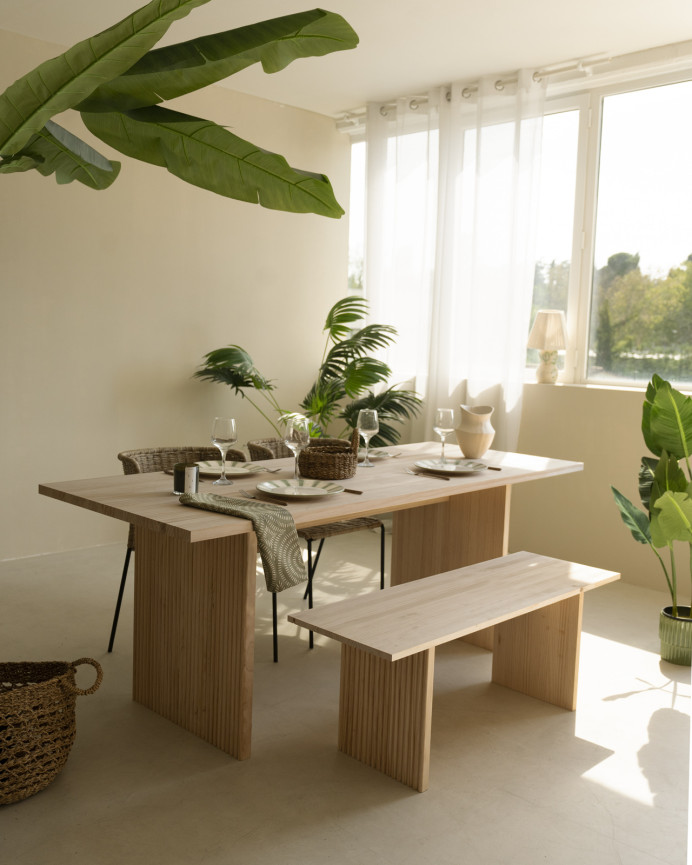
(368, 425)
(443, 426)
(297, 437)
(223, 435)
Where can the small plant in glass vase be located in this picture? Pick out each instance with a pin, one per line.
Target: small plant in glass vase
(665, 490)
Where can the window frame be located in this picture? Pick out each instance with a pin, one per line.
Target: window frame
(589, 102)
(587, 95)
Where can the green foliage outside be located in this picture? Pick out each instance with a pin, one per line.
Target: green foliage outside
(640, 325)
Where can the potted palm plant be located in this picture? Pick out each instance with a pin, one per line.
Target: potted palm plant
(344, 383)
(665, 490)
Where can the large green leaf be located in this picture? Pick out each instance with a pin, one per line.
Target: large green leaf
(363, 373)
(207, 155)
(18, 163)
(232, 365)
(668, 477)
(63, 81)
(369, 338)
(673, 520)
(54, 150)
(667, 420)
(635, 520)
(322, 400)
(175, 70)
(343, 314)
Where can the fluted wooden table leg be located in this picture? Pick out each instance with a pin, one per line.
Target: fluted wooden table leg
(385, 712)
(462, 531)
(194, 634)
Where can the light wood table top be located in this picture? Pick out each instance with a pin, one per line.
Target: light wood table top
(147, 500)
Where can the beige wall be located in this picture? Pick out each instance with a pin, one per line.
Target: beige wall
(110, 300)
(575, 516)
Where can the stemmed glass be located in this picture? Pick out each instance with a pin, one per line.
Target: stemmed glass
(443, 426)
(297, 437)
(223, 435)
(369, 425)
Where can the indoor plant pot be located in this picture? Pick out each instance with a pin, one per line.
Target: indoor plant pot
(675, 633)
(665, 490)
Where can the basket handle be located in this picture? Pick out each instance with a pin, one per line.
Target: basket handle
(355, 436)
(99, 676)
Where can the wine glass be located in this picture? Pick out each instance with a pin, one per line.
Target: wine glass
(368, 425)
(297, 437)
(443, 425)
(223, 435)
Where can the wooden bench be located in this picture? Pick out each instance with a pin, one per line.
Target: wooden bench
(534, 605)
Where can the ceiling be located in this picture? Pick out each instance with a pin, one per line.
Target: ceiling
(405, 46)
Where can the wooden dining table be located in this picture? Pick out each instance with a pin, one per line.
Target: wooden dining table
(195, 570)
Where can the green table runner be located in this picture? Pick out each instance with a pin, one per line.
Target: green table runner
(277, 539)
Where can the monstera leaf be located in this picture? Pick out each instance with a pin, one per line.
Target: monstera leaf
(117, 83)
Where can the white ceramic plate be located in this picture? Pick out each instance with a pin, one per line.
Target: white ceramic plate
(212, 468)
(452, 467)
(375, 455)
(299, 488)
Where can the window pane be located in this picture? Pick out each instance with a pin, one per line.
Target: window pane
(555, 216)
(641, 310)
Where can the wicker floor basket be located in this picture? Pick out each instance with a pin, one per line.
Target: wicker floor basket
(37, 723)
(330, 459)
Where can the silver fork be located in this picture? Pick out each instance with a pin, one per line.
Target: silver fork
(426, 475)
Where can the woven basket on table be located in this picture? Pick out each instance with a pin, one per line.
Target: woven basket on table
(330, 459)
(37, 723)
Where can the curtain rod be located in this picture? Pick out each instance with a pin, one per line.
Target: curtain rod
(576, 70)
(584, 65)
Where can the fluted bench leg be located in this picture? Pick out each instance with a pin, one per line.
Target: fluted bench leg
(538, 653)
(385, 711)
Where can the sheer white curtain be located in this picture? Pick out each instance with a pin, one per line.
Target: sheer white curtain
(452, 189)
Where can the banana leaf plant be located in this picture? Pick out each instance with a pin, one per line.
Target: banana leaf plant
(117, 82)
(345, 379)
(665, 488)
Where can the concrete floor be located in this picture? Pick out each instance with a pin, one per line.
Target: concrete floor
(512, 780)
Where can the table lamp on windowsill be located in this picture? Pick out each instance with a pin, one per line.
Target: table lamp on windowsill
(548, 337)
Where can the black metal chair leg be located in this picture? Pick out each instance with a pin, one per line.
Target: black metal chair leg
(311, 573)
(274, 625)
(120, 599)
(314, 564)
(382, 556)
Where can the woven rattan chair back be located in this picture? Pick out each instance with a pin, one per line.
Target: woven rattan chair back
(268, 449)
(163, 459)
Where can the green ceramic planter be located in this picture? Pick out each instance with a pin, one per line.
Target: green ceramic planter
(676, 636)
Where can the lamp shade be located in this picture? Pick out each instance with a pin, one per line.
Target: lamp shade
(548, 331)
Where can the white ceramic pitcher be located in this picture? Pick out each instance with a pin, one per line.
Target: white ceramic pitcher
(475, 434)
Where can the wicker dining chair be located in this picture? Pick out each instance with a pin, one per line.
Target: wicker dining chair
(274, 448)
(157, 460)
